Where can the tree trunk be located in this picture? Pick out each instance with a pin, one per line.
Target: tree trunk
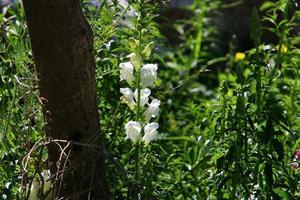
(62, 45)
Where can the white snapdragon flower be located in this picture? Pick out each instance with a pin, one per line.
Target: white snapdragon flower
(126, 72)
(152, 110)
(128, 97)
(148, 75)
(143, 79)
(133, 131)
(151, 133)
(145, 93)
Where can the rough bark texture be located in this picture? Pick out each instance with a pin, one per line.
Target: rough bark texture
(63, 53)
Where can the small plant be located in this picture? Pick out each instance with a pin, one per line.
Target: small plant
(255, 126)
(140, 76)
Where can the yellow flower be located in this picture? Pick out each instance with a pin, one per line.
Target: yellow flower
(283, 49)
(239, 56)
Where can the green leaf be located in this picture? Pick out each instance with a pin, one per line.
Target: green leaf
(283, 194)
(266, 5)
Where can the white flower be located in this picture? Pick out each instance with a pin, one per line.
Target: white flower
(131, 98)
(128, 97)
(126, 72)
(151, 133)
(148, 75)
(133, 131)
(145, 93)
(152, 110)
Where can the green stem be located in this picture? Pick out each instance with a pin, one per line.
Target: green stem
(136, 175)
(138, 94)
(138, 113)
(201, 16)
(278, 63)
(258, 82)
(224, 113)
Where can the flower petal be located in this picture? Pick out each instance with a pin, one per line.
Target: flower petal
(148, 75)
(145, 93)
(151, 133)
(126, 72)
(128, 97)
(152, 110)
(133, 131)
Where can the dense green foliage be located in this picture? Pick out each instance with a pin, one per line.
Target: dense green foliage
(229, 122)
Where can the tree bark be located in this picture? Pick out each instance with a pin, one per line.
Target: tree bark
(62, 45)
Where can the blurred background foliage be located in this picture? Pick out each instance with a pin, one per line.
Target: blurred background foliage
(230, 122)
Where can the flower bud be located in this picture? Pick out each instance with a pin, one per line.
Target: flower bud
(133, 43)
(283, 49)
(297, 154)
(148, 50)
(136, 60)
(144, 31)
